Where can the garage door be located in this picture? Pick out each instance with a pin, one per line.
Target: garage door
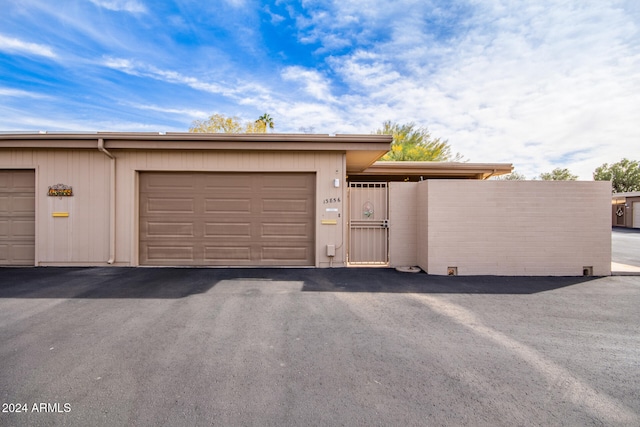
(230, 219)
(17, 217)
(636, 215)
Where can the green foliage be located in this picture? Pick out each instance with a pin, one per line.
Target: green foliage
(265, 121)
(218, 123)
(558, 175)
(411, 143)
(513, 176)
(624, 175)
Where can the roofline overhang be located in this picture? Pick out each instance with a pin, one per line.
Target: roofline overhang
(437, 169)
(361, 150)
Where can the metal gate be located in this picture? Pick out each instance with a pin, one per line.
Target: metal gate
(368, 223)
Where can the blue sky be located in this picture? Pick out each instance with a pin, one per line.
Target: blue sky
(540, 84)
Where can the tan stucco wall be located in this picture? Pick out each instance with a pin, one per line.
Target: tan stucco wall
(82, 237)
(534, 228)
(403, 216)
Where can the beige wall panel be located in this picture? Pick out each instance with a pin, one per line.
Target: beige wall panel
(403, 217)
(81, 238)
(532, 228)
(422, 212)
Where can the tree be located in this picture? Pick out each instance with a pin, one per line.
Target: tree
(558, 175)
(415, 143)
(624, 175)
(513, 176)
(218, 123)
(266, 121)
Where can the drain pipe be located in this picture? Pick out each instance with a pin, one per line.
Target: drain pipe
(112, 202)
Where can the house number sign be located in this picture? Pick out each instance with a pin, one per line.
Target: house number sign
(60, 190)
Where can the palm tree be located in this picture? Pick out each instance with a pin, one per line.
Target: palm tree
(266, 120)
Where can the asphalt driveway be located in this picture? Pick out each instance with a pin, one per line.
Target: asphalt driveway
(124, 346)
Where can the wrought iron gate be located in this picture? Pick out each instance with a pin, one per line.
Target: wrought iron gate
(368, 223)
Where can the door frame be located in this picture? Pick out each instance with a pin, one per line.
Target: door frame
(363, 230)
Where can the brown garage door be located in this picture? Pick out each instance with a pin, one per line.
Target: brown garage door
(17, 217)
(227, 219)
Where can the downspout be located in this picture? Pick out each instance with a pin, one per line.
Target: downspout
(112, 202)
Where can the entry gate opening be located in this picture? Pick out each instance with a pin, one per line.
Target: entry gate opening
(368, 223)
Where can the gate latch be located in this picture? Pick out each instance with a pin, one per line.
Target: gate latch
(385, 223)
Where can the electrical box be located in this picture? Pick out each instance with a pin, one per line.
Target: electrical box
(331, 250)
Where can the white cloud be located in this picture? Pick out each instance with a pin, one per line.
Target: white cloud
(190, 113)
(558, 77)
(20, 47)
(237, 90)
(236, 3)
(17, 93)
(313, 82)
(541, 84)
(131, 6)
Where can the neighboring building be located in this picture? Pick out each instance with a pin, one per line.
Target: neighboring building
(188, 199)
(625, 210)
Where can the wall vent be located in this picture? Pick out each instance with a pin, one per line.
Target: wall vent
(587, 270)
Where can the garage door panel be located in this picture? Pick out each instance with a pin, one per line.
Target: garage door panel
(16, 253)
(284, 183)
(24, 180)
(23, 253)
(288, 206)
(23, 229)
(24, 204)
(169, 205)
(286, 230)
(170, 253)
(228, 229)
(229, 255)
(169, 181)
(238, 219)
(284, 253)
(227, 205)
(17, 217)
(5, 205)
(227, 182)
(17, 204)
(169, 229)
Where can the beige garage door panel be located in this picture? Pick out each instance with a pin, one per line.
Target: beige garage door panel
(227, 218)
(17, 217)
